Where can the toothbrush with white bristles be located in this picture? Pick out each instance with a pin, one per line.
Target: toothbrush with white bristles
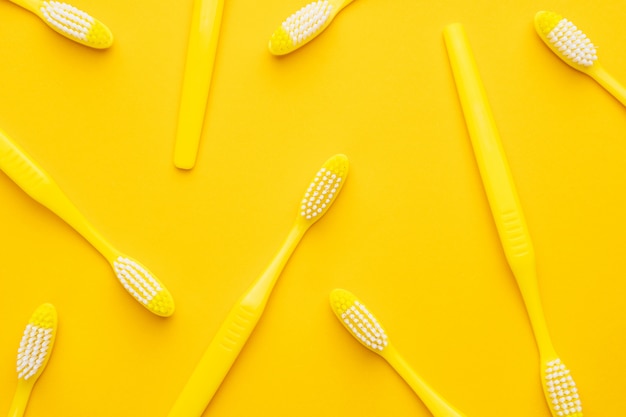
(33, 354)
(574, 48)
(365, 328)
(557, 383)
(70, 22)
(304, 25)
(136, 279)
(245, 314)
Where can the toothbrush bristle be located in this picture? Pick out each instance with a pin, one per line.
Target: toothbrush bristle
(36, 343)
(561, 391)
(358, 320)
(300, 27)
(143, 286)
(566, 39)
(324, 188)
(75, 24)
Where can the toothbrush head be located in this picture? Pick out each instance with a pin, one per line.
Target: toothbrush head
(324, 189)
(301, 27)
(76, 24)
(357, 319)
(560, 390)
(566, 40)
(36, 344)
(143, 286)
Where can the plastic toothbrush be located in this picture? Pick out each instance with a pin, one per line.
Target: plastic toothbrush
(558, 386)
(362, 324)
(70, 22)
(574, 47)
(140, 283)
(304, 25)
(245, 314)
(33, 354)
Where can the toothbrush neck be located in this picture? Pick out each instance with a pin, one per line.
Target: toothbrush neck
(529, 287)
(598, 73)
(264, 284)
(32, 5)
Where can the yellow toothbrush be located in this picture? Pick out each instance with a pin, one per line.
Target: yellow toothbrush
(135, 278)
(70, 22)
(362, 324)
(206, 19)
(574, 47)
(33, 354)
(245, 314)
(559, 387)
(304, 25)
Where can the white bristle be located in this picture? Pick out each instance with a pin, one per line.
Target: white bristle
(364, 326)
(320, 193)
(67, 19)
(308, 20)
(572, 43)
(561, 389)
(33, 350)
(136, 280)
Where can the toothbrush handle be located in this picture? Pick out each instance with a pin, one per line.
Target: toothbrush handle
(217, 360)
(606, 80)
(435, 403)
(496, 176)
(20, 399)
(232, 335)
(37, 183)
(202, 45)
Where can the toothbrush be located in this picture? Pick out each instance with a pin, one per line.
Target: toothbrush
(70, 22)
(571, 45)
(245, 314)
(135, 278)
(203, 36)
(362, 324)
(559, 387)
(33, 354)
(304, 25)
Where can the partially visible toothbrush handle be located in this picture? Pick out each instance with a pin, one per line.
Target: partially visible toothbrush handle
(232, 336)
(202, 45)
(606, 80)
(216, 361)
(20, 400)
(496, 175)
(437, 405)
(494, 170)
(36, 182)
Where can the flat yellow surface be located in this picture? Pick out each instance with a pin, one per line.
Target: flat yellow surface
(411, 233)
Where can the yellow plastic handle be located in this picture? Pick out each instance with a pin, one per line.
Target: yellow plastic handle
(202, 45)
(232, 335)
(37, 183)
(496, 176)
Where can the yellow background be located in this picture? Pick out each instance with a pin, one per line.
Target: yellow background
(411, 233)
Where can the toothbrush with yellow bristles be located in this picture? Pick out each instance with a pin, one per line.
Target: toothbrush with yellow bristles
(245, 314)
(365, 328)
(33, 355)
(140, 283)
(70, 22)
(574, 47)
(206, 19)
(304, 25)
(559, 387)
